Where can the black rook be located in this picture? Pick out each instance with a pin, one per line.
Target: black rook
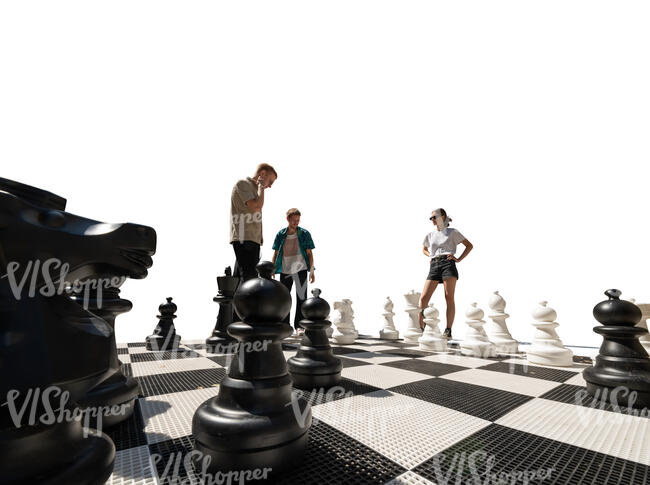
(219, 342)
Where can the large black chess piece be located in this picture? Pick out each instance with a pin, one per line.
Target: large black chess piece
(220, 341)
(254, 422)
(315, 366)
(164, 336)
(52, 350)
(622, 366)
(118, 392)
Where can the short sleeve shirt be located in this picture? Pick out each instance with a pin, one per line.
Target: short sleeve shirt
(292, 258)
(443, 242)
(245, 223)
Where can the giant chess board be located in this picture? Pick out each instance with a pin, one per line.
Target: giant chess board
(403, 416)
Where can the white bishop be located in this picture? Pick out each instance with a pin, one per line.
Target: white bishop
(476, 341)
(497, 329)
(432, 339)
(547, 348)
(389, 332)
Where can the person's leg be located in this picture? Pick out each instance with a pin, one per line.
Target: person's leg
(429, 288)
(287, 281)
(247, 254)
(450, 288)
(301, 295)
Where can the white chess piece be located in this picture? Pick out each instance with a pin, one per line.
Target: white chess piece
(643, 323)
(476, 341)
(345, 332)
(497, 329)
(389, 332)
(413, 332)
(432, 339)
(351, 317)
(547, 348)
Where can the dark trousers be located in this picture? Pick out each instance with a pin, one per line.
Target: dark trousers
(300, 279)
(247, 255)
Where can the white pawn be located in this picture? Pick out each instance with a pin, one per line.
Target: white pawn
(432, 339)
(345, 332)
(389, 332)
(413, 332)
(497, 328)
(476, 341)
(643, 323)
(547, 348)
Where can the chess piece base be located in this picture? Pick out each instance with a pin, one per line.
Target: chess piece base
(159, 342)
(240, 433)
(283, 457)
(552, 356)
(64, 456)
(315, 381)
(481, 349)
(389, 334)
(119, 392)
(614, 395)
(434, 345)
(507, 347)
(219, 345)
(344, 339)
(412, 337)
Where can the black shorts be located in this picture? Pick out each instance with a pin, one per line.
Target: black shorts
(441, 269)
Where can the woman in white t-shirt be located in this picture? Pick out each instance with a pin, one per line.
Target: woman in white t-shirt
(440, 248)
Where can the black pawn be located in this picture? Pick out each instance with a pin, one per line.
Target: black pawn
(315, 366)
(622, 366)
(220, 341)
(164, 336)
(255, 423)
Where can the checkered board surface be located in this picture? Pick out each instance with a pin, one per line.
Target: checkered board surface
(407, 417)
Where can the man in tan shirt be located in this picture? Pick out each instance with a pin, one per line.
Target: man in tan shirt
(246, 202)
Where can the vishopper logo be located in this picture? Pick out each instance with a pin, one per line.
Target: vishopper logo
(478, 468)
(55, 281)
(193, 467)
(316, 396)
(54, 404)
(605, 399)
(240, 221)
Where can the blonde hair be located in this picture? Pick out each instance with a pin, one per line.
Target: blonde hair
(267, 167)
(293, 212)
(442, 212)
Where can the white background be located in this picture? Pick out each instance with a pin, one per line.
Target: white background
(527, 121)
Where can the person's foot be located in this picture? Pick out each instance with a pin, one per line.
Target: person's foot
(300, 332)
(447, 333)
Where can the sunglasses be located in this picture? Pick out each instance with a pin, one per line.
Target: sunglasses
(432, 218)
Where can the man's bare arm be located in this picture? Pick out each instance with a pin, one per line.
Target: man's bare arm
(257, 203)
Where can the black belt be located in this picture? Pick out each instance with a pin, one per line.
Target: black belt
(437, 258)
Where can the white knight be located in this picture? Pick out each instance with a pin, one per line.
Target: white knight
(343, 320)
